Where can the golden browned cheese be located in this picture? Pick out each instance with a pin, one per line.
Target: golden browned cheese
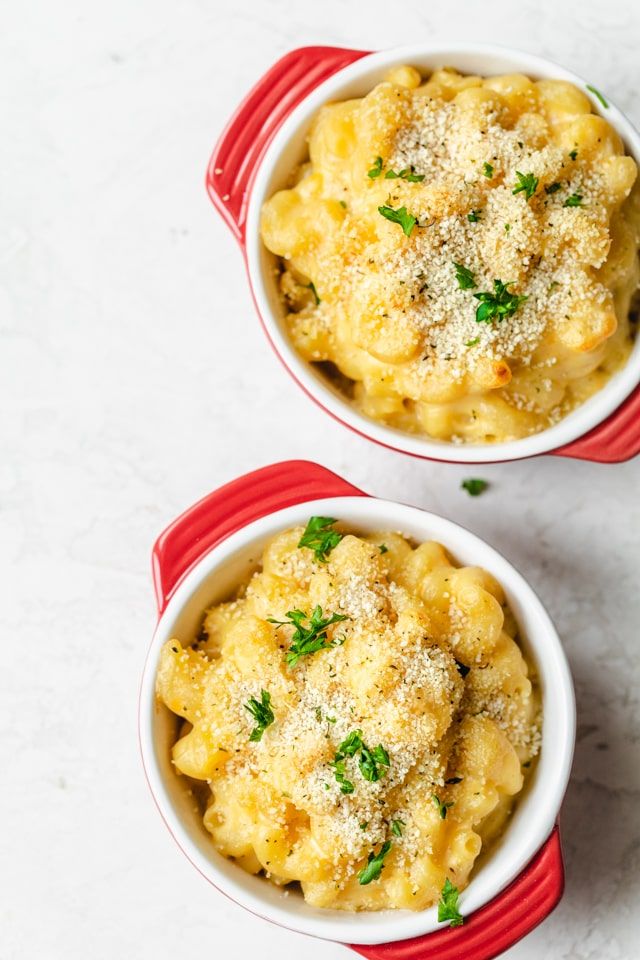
(425, 666)
(450, 153)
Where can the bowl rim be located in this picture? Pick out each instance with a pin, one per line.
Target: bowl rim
(541, 802)
(576, 424)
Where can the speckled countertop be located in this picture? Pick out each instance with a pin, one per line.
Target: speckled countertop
(135, 379)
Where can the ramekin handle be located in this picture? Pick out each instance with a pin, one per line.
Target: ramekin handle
(233, 506)
(614, 440)
(239, 151)
(494, 928)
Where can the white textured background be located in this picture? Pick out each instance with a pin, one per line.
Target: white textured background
(135, 379)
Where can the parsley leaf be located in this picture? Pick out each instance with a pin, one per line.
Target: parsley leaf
(406, 174)
(375, 863)
(464, 276)
(487, 170)
(376, 169)
(552, 188)
(474, 216)
(312, 287)
(401, 216)
(319, 538)
(527, 183)
(573, 154)
(309, 639)
(448, 905)
(383, 548)
(597, 94)
(499, 304)
(371, 760)
(350, 745)
(340, 773)
(396, 827)
(262, 713)
(575, 200)
(472, 343)
(442, 807)
(474, 487)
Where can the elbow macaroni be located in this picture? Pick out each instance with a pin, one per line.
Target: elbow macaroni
(383, 308)
(425, 665)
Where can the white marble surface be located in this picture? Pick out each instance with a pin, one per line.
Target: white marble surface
(135, 379)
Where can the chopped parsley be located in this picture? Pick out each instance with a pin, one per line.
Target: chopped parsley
(340, 773)
(552, 188)
(472, 343)
(406, 174)
(575, 200)
(573, 154)
(597, 94)
(312, 287)
(375, 863)
(400, 216)
(527, 184)
(464, 276)
(474, 216)
(369, 763)
(499, 304)
(474, 486)
(383, 548)
(487, 170)
(262, 713)
(442, 807)
(448, 905)
(376, 169)
(507, 227)
(309, 639)
(396, 827)
(319, 538)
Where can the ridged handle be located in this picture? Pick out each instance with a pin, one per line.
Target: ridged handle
(239, 151)
(233, 506)
(614, 440)
(494, 928)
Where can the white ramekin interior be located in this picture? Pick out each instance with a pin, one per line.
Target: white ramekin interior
(287, 149)
(215, 577)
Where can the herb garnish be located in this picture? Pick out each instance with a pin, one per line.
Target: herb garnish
(262, 713)
(597, 94)
(464, 276)
(396, 827)
(383, 548)
(319, 538)
(474, 487)
(442, 807)
(573, 154)
(527, 184)
(552, 188)
(499, 304)
(309, 639)
(575, 200)
(400, 216)
(487, 170)
(474, 216)
(406, 174)
(369, 763)
(472, 343)
(448, 905)
(312, 287)
(375, 863)
(376, 169)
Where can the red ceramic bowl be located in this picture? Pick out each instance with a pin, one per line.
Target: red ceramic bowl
(265, 139)
(200, 558)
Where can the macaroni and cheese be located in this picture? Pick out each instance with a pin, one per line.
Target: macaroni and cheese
(459, 254)
(361, 717)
